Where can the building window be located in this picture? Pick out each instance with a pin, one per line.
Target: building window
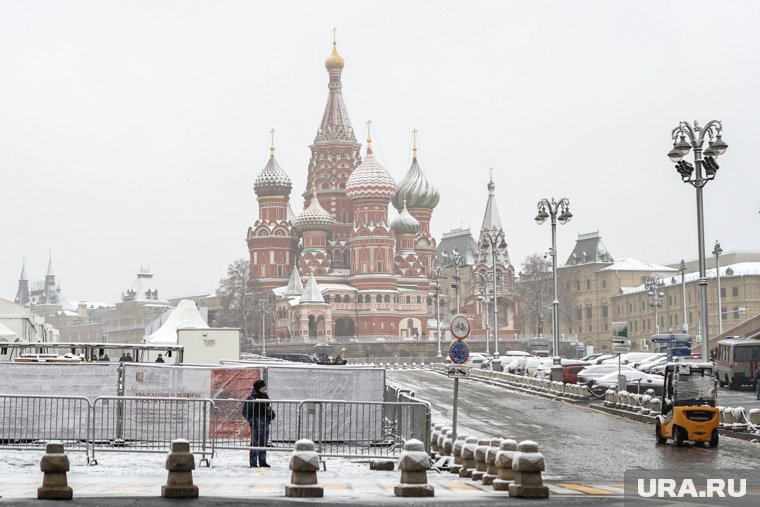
(605, 326)
(337, 298)
(579, 313)
(346, 298)
(588, 284)
(670, 300)
(577, 285)
(723, 313)
(735, 292)
(604, 284)
(689, 317)
(605, 312)
(327, 298)
(379, 298)
(722, 292)
(736, 313)
(588, 312)
(419, 299)
(387, 298)
(408, 299)
(589, 328)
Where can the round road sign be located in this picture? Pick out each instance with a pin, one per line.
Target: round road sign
(459, 352)
(460, 327)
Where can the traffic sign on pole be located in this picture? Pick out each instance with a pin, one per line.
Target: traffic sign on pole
(460, 327)
(459, 352)
(458, 371)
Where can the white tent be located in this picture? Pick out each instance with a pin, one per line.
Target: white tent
(6, 332)
(186, 315)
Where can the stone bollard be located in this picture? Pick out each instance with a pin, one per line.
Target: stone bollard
(434, 439)
(490, 474)
(609, 399)
(442, 439)
(54, 465)
(728, 418)
(754, 416)
(655, 406)
(740, 419)
(180, 463)
(304, 463)
(480, 460)
(448, 443)
(645, 408)
(456, 451)
(528, 464)
(414, 464)
(468, 456)
(504, 473)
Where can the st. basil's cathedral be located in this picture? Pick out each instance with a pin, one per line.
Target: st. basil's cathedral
(339, 268)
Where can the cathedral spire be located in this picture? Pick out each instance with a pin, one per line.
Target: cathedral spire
(491, 220)
(23, 269)
(336, 125)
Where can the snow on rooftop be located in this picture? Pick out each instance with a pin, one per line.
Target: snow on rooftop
(636, 265)
(738, 269)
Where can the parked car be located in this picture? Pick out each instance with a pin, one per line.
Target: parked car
(633, 377)
(594, 371)
(478, 360)
(591, 358)
(645, 366)
(517, 365)
(544, 369)
(570, 373)
(532, 364)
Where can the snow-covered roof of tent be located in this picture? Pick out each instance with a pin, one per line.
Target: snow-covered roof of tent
(636, 265)
(186, 315)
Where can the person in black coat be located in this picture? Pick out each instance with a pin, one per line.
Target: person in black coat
(259, 415)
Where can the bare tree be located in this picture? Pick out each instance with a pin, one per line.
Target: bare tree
(237, 298)
(535, 289)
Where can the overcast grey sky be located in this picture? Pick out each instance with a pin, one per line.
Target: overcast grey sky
(131, 132)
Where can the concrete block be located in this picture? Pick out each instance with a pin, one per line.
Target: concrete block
(180, 463)
(54, 465)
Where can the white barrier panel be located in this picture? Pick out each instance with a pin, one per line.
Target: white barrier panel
(83, 379)
(325, 383)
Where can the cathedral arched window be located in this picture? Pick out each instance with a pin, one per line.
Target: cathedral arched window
(408, 300)
(419, 299)
(346, 298)
(327, 298)
(337, 298)
(379, 298)
(387, 298)
(342, 185)
(325, 185)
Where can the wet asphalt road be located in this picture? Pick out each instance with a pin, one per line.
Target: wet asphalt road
(578, 443)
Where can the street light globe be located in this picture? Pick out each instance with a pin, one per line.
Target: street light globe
(675, 155)
(542, 216)
(565, 217)
(682, 146)
(719, 147)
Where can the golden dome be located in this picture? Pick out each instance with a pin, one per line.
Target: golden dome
(335, 61)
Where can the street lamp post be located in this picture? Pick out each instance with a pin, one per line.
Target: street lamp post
(263, 305)
(716, 252)
(457, 261)
(437, 286)
(548, 209)
(653, 284)
(484, 297)
(682, 269)
(495, 239)
(681, 147)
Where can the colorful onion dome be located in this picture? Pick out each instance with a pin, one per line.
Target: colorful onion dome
(272, 180)
(416, 189)
(370, 180)
(405, 223)
(335, 61)
(315, 217)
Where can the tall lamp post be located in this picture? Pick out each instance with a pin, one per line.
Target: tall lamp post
(483, 279)
(436, 275)
(551, 209)
(716, 252)
(495, 239)
(653, 284)
(702, 160)
(682, 270)
(263, 308)
(457, 261)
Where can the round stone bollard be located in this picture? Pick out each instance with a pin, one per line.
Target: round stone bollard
(609, 398)
(468, 456)
(504, 473)
(442, 439)
(728, 418)
(456, 451)
(180, 463)
(528, 464)
(434, 438)
(740, 419)
(480, 460)
(655, 406)
(414, 464)
(645, 407)
(54, 465)
(448, 443)
(490, 474)
(304, 463)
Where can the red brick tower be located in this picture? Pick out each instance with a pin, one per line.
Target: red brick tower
(334, 156)
(271, 240)
(372, 248)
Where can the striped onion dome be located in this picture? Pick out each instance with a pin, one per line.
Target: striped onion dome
(415, 188)
(315, 217)
(370, 180)
(272, 180)
(405, 223)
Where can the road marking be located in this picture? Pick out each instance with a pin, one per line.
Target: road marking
(587, 489)
(460, 486)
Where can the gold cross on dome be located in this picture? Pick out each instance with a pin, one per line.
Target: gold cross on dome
(414, 142)
(334, 39)
(271, 147)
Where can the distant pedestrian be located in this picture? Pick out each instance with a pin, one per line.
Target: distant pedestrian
(129, 358)
(106, 358)
(123, 357)
(259, 415)
(160, 359)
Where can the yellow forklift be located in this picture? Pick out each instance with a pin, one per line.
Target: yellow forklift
(688, 405)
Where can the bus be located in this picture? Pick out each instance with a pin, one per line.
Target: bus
(736, 359)
(541, 347)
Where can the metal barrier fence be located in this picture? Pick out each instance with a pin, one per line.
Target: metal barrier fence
(28, 422)
(141, 424)
(149, 424)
